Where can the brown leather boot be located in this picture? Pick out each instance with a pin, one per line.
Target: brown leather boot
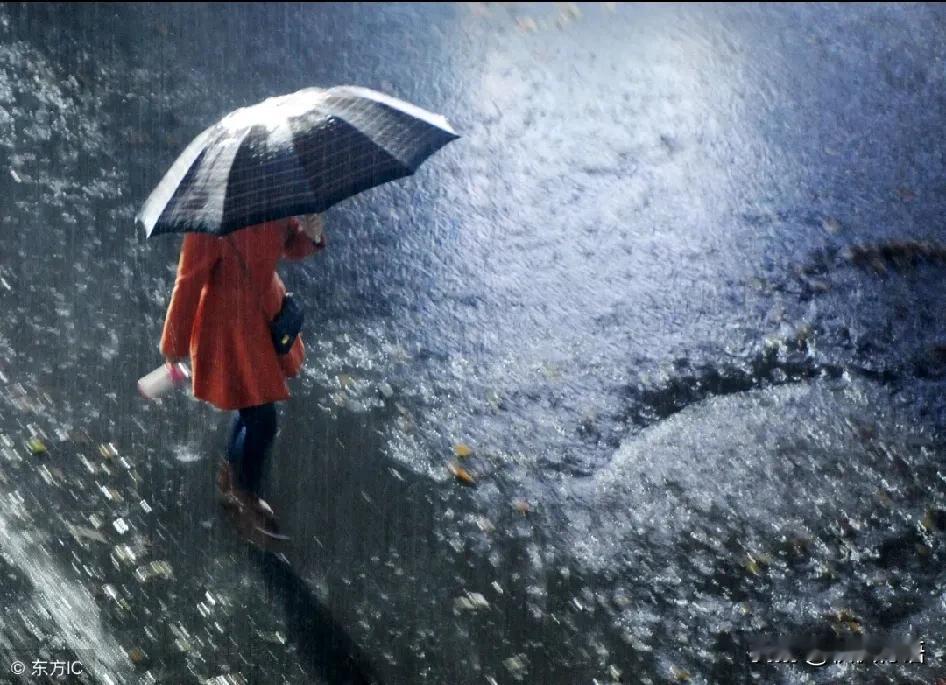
(254, 511)
(256, 518)
(268, 522)
(226, 479)
(224, 476)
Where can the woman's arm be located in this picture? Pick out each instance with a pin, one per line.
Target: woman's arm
(199, 253)
(302, 238)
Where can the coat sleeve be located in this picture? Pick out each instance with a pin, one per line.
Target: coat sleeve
(298, 244)
(199, 253)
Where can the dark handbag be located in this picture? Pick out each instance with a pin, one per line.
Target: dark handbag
(286, 325)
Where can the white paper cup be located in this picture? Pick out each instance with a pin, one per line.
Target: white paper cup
(162, 380)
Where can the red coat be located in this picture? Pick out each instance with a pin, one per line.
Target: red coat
(220, 317)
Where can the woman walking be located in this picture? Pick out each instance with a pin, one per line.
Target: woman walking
(226, 292)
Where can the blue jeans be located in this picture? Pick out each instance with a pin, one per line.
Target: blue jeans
(251, 437)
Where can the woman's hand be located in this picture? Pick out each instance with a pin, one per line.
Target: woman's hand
(176, 360)
(313, 227)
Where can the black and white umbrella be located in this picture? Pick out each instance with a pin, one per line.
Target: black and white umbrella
(296, 154)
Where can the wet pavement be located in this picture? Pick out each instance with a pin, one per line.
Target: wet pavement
(673, 301)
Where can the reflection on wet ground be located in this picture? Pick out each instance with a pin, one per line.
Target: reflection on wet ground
(672, 303)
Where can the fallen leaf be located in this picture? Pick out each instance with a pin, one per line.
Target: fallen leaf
(161, 569)
(473, 601)
(845, 620)
(751, 565)
(137, 656)
(80, 532)
(461, 474)
(462, 450)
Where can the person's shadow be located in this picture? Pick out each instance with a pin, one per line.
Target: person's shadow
(323, 645)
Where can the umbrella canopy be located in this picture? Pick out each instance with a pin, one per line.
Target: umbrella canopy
(296, 154)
